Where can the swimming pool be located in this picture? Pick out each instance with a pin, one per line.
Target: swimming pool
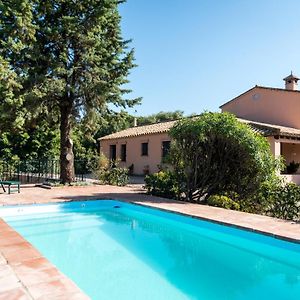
(115, 250)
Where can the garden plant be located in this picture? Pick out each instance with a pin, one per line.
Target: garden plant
(218, 160)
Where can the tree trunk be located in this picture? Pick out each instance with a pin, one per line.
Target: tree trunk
(67, 173)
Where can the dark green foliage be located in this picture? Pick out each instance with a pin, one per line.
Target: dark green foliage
(223, 201)
(163, 184)
(66, 59)
(110, 122)
(219, 154)
(25, 133)
(162, 116)
(285, 202)
(26, 129)
(109, 172)
(279, 199)
(276, 198)
(292, 167)
(30, 142)
(114, 176)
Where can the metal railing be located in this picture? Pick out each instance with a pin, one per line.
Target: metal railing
(39, 170)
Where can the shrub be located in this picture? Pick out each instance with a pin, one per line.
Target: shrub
(283, 201)
(103, 161)
(114, 176)
(216, 153)
(222, 201)
(163, 184)
(108, 172)
(278, 199)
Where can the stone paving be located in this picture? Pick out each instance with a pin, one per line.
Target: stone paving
(25, 274)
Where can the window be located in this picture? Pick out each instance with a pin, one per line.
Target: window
(165, 148)
(123, 152)
(112, 152)
(144, 149)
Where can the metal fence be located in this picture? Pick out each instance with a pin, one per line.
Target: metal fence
(38, 171)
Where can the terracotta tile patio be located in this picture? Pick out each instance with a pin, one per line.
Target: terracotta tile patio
(25, 274)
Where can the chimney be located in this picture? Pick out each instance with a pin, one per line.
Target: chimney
(134, 122)
(291, 82)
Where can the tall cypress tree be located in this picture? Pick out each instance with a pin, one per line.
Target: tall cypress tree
(66, 58)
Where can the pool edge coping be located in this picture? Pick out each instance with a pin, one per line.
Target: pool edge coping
(59, 285)
(248, 229)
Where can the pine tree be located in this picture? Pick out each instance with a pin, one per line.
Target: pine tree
(68, 59)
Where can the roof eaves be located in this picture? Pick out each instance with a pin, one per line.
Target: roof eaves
(264, 130)
(271, 130)
(140, 130)
(289, 134)
(111, 137)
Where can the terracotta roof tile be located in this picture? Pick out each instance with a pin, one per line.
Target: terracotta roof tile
(259, 127)
(272, 129)
(140, 130)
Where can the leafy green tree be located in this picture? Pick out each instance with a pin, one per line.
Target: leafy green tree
(161, 116)
(21, 136)
(65, 58)
(33, 141)
(110, 122)
(219, 154)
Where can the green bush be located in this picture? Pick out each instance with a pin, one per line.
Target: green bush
(278, 199)
(223, 201)
(284, 202)
(114, 176)
(216, 153)
(163, 184)
(108, 172)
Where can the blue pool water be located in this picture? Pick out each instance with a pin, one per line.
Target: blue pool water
(114, 250)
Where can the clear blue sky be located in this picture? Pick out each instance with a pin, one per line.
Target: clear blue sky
(194, 55)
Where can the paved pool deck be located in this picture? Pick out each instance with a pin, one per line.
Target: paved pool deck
(26, 274)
